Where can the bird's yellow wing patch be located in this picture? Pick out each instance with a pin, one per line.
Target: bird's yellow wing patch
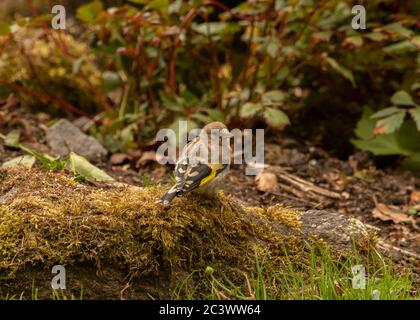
(212, 175)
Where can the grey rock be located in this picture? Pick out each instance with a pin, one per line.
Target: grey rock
(338, 231)
(81, 123)
(64, 137)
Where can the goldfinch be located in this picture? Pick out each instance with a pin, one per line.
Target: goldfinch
(202, 162)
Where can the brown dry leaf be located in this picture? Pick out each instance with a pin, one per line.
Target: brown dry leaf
(400, 232)
(415, 197)
(134, 153)
(390, 213)
(119, 158)
(266, 181)
(146, 157)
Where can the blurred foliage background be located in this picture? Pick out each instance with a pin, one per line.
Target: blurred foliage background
(137, 66)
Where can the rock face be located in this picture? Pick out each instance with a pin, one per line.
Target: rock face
(64, 137)
(336, 229)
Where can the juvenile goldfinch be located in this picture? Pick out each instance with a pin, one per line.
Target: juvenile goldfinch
(202, 162)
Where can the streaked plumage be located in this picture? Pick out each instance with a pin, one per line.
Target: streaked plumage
(193, 170)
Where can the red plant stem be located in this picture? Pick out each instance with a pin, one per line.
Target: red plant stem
(257, 68)
(187, 19)
(6, 40)
(53, 98)
(37, 95)
(172, 72)
(216, 79)
(31, 6)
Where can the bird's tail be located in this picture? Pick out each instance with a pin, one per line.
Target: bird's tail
(168, 196)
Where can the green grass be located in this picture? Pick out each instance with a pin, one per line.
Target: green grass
(321, 276)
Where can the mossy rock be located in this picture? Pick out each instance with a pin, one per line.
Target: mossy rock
(48, 218)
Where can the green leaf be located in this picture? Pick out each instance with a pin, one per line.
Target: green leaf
(139, 1)
(77, 64)
(26, 161)
(381, 145)
(160, 5)
(90, 11)
(323, 35)
(79, 165)
(201, 117)
(46, 160)
(402, 98)
(392, 123)
(272, 47)
(385, 112)
(215, 114)
(415, 86)
(273, 96)
(276, 118)
(212, 28)
(402, 142)
(365, 126)
(110, 80)
(39, 21)
(346, 73)
(173, 103)
(408, 136)
(401, 47)
(398, 29)
(250, 109)
(376, 36)
(415, 113)
(412, 162)
(12, 139)
(356, 40)
(416, 41)
(127, 136)
(4, 28)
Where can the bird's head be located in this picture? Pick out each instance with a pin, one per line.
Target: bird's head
(216, 129)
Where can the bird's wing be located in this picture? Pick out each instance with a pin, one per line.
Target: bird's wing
(192, 176)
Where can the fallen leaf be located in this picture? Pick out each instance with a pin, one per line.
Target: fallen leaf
(26, 161)
(134, 153)
(12, 139)
(345, 195)
(266, 181)
(119, 158)
(390, 213)
(415, 197)
(80, 165)
(146, 157)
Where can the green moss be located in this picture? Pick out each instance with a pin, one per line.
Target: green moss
(3, 175)
(52, 219)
